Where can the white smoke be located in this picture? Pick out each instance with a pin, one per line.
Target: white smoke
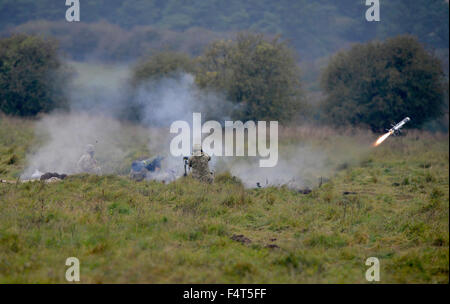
(299, 166)
(66, 137)
(100, 96)
(169, 99)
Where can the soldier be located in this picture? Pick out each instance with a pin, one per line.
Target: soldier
(87, 162)
(138, 171)
(199, 164)
(148, 168)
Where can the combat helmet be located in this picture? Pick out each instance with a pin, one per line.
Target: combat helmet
(90, 149)
(197, 150)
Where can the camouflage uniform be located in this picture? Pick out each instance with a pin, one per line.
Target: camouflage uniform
(138, 175)
(146, 169)
(87, 162)
(200, 167)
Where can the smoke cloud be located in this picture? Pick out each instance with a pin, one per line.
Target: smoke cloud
(302, 163)
(100, 97)
(65, 139)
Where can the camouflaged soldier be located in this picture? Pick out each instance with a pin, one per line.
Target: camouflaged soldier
(146, 169)
(138, 171)
(199, 164)
(87, 162)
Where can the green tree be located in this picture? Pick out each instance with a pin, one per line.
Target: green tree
(261, 77)
(160, 65)
(378, 83)
(31, 76)
(316, 28)
(148, 74)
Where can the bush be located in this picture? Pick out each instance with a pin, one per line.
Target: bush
(160, 65)
(379, 83)
(227, 178)
(31, 76)
(261, 77)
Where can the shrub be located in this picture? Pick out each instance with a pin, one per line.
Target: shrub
(379, 83)
(227, 178)
(31, 76)
(160, 65)
(261, 77)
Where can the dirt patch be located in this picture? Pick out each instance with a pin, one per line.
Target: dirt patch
(241, 239)
(50, 175)
(305, 191)
(348, 192)
(272, 246)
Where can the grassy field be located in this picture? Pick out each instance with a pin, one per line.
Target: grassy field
(185, 232)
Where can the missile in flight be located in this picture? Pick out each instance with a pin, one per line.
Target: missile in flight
(395, 130)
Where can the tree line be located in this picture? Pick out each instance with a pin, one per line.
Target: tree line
(372, 84)
(316, 28)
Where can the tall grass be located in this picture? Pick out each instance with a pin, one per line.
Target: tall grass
(392, 204)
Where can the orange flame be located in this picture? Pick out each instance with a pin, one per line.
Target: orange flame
(382, 138)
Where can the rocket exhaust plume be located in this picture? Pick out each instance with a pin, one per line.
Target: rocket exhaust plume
(382, 138)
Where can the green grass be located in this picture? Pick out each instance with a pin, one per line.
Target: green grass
(149, 232)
